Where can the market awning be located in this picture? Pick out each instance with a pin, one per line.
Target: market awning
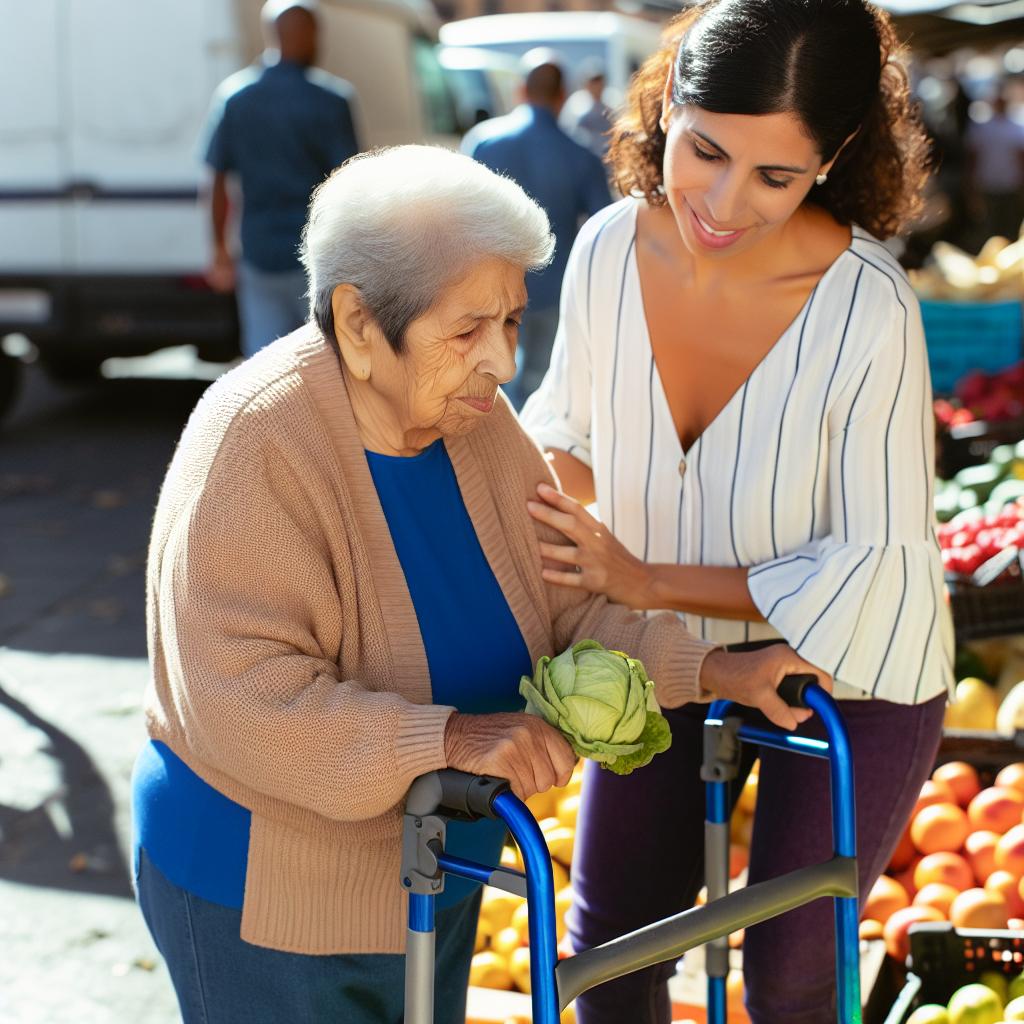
(938, 26)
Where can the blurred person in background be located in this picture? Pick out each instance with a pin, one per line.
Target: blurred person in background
(995, 171)
(740, 379)
(586, 116)
(566, 179)
(278, 129)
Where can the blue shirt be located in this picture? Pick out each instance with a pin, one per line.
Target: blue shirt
(281, 128)
(475, 653)
(565, 178)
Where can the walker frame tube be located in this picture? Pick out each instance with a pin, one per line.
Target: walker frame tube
(844, 839)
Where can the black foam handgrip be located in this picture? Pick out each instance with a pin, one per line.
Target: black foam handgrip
(468, 797)
(792, 688)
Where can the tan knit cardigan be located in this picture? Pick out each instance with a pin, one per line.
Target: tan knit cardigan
(287, 665)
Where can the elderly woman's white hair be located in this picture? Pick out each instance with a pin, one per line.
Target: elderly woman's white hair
(401, 224)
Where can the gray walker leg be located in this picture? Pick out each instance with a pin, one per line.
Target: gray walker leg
(423, 838)
(419, 977)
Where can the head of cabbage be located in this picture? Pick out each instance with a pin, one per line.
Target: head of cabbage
(603, 704)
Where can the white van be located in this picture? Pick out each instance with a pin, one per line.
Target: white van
(103, 241)
(621, 42)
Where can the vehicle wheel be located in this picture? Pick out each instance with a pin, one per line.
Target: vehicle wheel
(71, 369)
(10, 380)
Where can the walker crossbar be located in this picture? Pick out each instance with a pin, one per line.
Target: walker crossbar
(672, 937)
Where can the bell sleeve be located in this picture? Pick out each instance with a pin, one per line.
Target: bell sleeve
(864, 600)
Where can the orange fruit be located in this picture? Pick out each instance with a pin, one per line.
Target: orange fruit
(1003, 884)
(870, 929)
(976, 908)
(895, 931)
(980, 849)
(1010, 851)
(903, 854)
(906, 877)
(1012, 776)
(739, 856)
(938, 895)
(933, 792)
(949, 868)
(940, 827)
(961, 778)
(996, 809)
(886, 897)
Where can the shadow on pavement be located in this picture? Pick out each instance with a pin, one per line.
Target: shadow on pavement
(46, 845)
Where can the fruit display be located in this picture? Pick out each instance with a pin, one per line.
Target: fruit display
(979, 396)
(952, 275)
(979, 491)
(961, 859)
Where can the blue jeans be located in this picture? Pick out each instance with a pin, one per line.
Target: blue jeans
(270, 305)
(220, 979)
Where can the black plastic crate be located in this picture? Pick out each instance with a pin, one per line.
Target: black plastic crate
(970, 444)
(994, 610)
(943, 958)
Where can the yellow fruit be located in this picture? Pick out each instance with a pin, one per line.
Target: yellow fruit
(998, 982)
(748, 795)
(568, 1015)
(976, 706)
(1010, 716)
(931, 1013)
(542, 805)
(511, 858)
(1014, 1009)
(496, 909)
(506, 941)
(519, 968)
(560, 841)
(568, 810)
(560, 875)
(489, 970)
(975, 1004)
(563, 901)
(482, 936)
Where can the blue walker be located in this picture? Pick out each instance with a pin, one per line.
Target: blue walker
(449, 794)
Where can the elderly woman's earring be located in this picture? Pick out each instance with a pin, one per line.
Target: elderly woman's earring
(821, 179)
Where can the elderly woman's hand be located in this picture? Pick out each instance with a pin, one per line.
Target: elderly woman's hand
(510, 745)
(594, 560)
(753, 677)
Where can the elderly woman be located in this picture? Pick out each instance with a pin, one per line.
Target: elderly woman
(344, 589)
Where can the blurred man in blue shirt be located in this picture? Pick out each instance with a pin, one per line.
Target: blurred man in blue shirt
(278, 128)
(565, 178)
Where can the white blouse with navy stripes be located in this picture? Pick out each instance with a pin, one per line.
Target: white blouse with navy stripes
(817, 474)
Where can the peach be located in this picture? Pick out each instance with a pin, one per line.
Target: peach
(961, 777)
(870, 929)
(1003, 884)
(938, 895)
(897, 928)
(886, 897)
(1012, 776)
(949, 868)
(976, 908)
(980, 848)
(996, 809)
(933, 792)
(904, 853)
(940, 828)
(1010, 851)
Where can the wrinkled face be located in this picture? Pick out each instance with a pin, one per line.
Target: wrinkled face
(732, 179)
(456, 354)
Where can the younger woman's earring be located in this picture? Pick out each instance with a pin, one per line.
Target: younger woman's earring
(821, 179)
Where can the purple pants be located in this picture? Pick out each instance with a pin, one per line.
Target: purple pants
(640, 851)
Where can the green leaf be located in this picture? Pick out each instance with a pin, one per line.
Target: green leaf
(655, 739)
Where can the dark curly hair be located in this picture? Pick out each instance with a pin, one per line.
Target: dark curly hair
(834, 63)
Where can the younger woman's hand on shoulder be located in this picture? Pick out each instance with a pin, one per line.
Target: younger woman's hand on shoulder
(593, 559)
